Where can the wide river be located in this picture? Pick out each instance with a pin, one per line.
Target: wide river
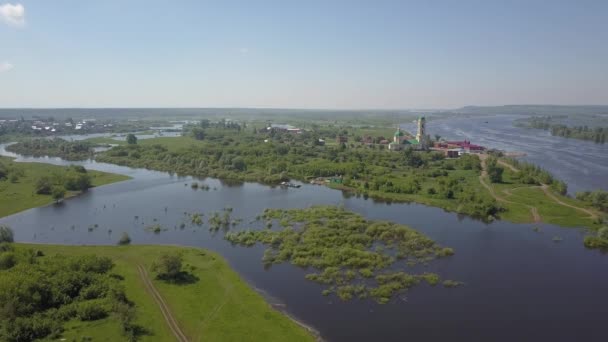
(520, 285)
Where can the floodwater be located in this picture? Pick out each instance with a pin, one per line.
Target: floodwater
(520, 285)
(582, 164)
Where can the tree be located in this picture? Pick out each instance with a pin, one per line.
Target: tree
(168, 266)
(6, 234)
(198, 133)
(494, 171)
(44, 186)
(603, 233)
(124, 239)
(58, 193)
(131, 139)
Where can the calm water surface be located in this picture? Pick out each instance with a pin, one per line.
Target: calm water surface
(520, 285)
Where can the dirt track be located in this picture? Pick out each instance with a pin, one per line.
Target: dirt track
(548, 192)
(179, 335)
(482, 179)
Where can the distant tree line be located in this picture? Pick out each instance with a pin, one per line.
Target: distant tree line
(598, 135)
(69, 150)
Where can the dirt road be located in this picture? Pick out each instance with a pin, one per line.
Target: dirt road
(482, 179)
(179, 335)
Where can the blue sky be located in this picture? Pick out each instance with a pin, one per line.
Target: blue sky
(302, 54)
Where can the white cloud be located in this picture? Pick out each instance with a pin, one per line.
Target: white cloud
(13, 15)
(244, 50)
(5, 66)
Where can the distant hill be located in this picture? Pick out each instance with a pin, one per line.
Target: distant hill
(539, 110)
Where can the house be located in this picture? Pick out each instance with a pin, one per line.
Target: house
(342, 139)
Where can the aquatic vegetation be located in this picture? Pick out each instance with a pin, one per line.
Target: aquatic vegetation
(197, 218)
(355, 257)
(599, 241)
(155, 228)
(219, 220)
(452, 283)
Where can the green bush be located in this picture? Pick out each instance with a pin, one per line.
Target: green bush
(6, 234)
(7, 260)
(91, 310)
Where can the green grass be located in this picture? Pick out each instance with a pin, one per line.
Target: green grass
(19, 196)
(220, 306)
(550, 211)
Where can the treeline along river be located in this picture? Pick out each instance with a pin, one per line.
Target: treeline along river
(520, 285)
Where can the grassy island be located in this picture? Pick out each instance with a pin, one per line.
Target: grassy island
(353, 257)
(111, 297)
(29, 185)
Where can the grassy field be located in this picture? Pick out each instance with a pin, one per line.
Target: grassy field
(218, 306)
(19, 196)
(525, 196)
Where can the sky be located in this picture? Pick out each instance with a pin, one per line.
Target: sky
(338, 54)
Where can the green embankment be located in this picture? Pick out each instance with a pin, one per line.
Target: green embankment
(219, 306)
(20, 195)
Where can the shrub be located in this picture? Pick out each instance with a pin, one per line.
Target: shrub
(91, 310)
(168, 266)
(43, 186)
(6, 234)
(7, 260)
(124, 239)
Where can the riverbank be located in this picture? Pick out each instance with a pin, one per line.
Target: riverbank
(19, 194)
(215, 304)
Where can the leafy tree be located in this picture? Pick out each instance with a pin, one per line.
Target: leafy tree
(43, 186)
(6, 234)
(198, 133)
(124, 239)
(168, 266)
(58, 193)
(131, 139)
(494, 171)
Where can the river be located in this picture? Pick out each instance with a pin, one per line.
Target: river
(520, 285)
(582, 164)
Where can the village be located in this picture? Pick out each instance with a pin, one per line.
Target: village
(401, 140)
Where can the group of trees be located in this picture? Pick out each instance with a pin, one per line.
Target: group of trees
(494, 171)
(10, 171)
(74, 178)
(198, 131)
(39, 293)
(597, 199)
(229, 154)
(596, 134)
(69, 150)
(535, 175)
